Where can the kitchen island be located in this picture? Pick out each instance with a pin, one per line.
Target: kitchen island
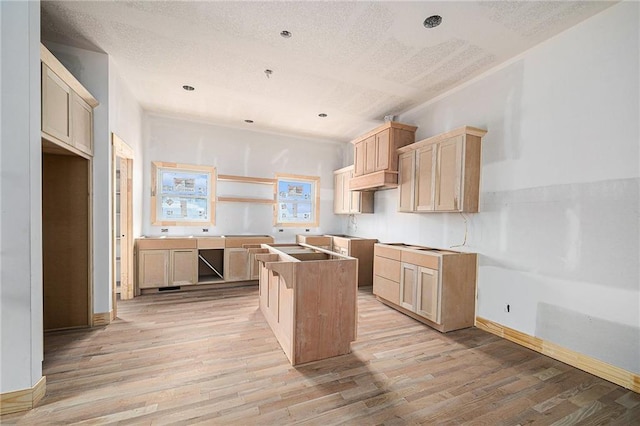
(308, 296)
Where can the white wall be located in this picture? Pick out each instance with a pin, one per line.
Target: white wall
(244, 153)
(125, 120)
(92, 71)
(21, 350)
(558, 229)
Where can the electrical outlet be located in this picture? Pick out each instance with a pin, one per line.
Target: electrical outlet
(280, 230)
(306, 230)
(164, 230)
(205, 229)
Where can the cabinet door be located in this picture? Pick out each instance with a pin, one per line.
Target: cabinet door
(424, 178)
(153, 268)
(236, 264)
(184, 267)
(56, 106)
(406, 167)
(449, 174)
(428, 294)
(359, 158)
(254, 265)
(354, 197)
(383, 150)
(81, 124)
(408, 286)
(370, 155)
(338, 193)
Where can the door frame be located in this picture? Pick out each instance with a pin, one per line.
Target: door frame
(124, 153)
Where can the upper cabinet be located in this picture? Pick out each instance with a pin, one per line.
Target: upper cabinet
(67, 107)
(346, 201)
(375, 157)
(441, 173)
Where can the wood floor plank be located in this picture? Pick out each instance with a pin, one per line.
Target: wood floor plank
(208, 357)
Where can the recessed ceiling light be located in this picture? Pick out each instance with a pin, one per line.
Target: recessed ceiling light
(432, 21)
(248, 121)
(322, 114)
(188, 88)
(285, 34)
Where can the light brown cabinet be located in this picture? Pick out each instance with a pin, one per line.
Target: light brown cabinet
(166, 268)
(321, 241)
(67, 119)
(441, 173)
(375, 157)
(434, 286)
(309, 299)
(238, 258)
(172, 262)
(346, 201)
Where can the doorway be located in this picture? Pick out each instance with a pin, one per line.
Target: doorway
(66, 238)
(122, 221)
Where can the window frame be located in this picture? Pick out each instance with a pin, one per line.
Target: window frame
(282, 200)
(158, 192)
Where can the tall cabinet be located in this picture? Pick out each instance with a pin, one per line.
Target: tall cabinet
(67, 150)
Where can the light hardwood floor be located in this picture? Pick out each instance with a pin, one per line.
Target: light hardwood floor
(208, 357)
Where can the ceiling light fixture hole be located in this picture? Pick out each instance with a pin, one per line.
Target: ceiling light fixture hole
(322, 114)
(268, 72)
(188, 88)
(285, 34)
(432, 21)
(248, 121)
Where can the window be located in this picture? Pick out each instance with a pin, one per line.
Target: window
(297, 200)
(182, 194)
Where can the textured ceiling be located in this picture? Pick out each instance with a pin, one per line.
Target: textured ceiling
(355, 61)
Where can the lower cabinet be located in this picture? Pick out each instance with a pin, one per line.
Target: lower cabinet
(165, 268)
(236, 264)
(171, 262)
(434, 286)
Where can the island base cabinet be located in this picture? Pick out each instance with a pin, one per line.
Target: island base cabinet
(309, 301)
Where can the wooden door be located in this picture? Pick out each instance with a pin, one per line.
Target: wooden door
(424, 178)
(408, 285)
(370, 154)
(153, 268)
(341, 193)
(81, 124)
(428, 294)
(358, 158)
(383, 150)
(56, 106)
(406, 166)
(184, 267)
(66, 278)
(449, 174)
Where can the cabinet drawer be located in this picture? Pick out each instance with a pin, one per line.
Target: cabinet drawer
(387, 268)
(166, 243)
(210, 243)
(421, 259)
(387, 251)
(387, 289)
